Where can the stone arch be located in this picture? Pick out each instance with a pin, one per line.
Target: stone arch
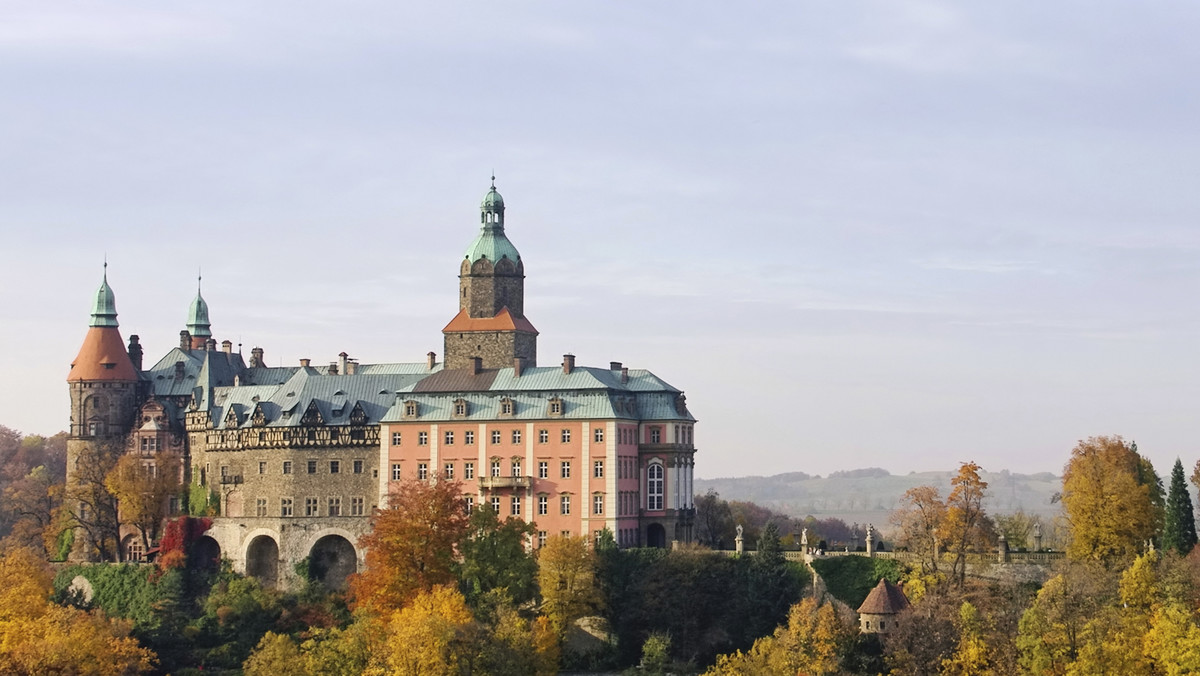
(206, 553)
(656, 536)
(331, 560)
(505, 266)
(262, 559)
(482, 267)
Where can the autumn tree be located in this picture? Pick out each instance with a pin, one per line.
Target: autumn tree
(32, 503)
(965, 527)
(422, 638)
(40, 637)
(89, 506)
(919, 519)
(1054, 629)
(1179, 524)
(714, 520)
(143, 490)
(1109, 499)
(567, 580)
(814, 641)
(411, 546)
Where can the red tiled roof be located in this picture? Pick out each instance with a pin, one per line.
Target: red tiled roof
(503, 321)
(885, 599)
(102, 357)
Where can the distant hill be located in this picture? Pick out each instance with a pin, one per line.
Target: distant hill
(869, 495)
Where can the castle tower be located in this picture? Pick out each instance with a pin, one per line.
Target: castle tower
(491, 322)
(198, 326)
(104, 397)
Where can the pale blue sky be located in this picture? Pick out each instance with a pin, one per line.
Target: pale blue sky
(856, 233)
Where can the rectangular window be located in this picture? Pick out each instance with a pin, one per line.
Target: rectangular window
(422, 471)
(541, 539)
(598, 469)
(469, 438)
(310, 507)
(262, 468)
(495, 468)
(224, 471)
(395, 471)
(449, 437)
(598, 435)
(543, 505)
(395, 438)
(495, 436)
(598, 503)
(516, 468)
(422, 438)
(335, 466)
(496, 504)
(312, 466)
(260, 507)
(335, 507)
(285, 507)
(516, 506)
(543, 469)
(356, 506)
(468, 470)
(655, 435)
(566, 436)
(654, 487)
(287, 466)
(564, 505)
(470, 502)
(566, 469)
(543, 436)
(516, 436)
(565, 533)
(448, 470)
(358, 466)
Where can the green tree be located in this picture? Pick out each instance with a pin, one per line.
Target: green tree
(1179, 526)
(1109, 496)
(567, 579)
(494, 558)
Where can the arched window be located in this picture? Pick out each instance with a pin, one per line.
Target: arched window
(654, 487)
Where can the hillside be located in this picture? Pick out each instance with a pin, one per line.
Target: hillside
(869, 495)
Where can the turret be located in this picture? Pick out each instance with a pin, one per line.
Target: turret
(198, 326)
(491, 320)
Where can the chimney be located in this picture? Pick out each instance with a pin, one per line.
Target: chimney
(351, 367)
(342, 356)
(476, 365)
(568, 363)
(185, 340)
(179, 370)
(227, 346)
(210, 345)
(431, 360)
(256, 358)
(518, 366)
(135, 352)
(304, 363)
(333, 369)
(614, 366)
(624, 374)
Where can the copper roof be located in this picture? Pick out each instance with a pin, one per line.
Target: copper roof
(503, 321)
(885, 599)
(102, 357)
(456, 380)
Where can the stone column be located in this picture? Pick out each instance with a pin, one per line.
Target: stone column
(738, 546)
(870, 540)
(1002, 549)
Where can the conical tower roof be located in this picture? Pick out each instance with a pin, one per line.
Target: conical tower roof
(197, 322)
(102, 355)
(885, 599)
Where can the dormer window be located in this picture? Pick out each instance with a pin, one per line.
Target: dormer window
(460, 408)
(410, 409)
(554, 407)
(507, 407)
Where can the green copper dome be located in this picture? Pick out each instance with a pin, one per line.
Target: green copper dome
(197, 322)
(492, 243)
(104, 310)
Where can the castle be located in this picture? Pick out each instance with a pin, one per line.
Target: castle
(294, 459)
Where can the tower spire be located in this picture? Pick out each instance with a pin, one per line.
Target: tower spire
(104, 309)
(198, 325)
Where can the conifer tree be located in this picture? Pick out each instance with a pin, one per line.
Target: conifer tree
(1179, 529)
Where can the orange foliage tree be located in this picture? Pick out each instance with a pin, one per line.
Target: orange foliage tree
(40, 637)
(411, 546)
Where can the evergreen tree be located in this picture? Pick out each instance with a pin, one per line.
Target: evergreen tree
(1179, 530)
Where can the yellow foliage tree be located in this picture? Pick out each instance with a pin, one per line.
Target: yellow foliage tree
(567, 579)
(965, 527)
(970, 657)
(423, 637)
(1109, 499)
(40, 637)
(1173, 640)
(919, 519)
(143, 491)
(813, 641)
